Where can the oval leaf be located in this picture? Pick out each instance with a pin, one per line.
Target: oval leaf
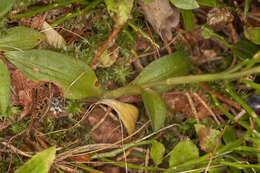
(76, 78)
(184, 151)
(155, 108)
(20, 37)
(185, 4)
(210, 3)
(253, 34)
(176, 64)
(209, 138)
(157, 152)
(126, 112)
(5, 6)
(40, 163)
(5, 84)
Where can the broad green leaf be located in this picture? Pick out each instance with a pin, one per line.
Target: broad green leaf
(76, 78)
(40, 163)
(229, 135)
(209, 138)
(210, 3)
(20, 37)
(185, 4)
(188, 19)
(126, 112)
(5, 84)
(119, 10)
(253, 34)
(5, 6)
(155, 107)
(175, 64)
(184, 151)
(157, 152)
(244, 49)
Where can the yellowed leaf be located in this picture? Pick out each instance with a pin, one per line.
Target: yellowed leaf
(126, 112)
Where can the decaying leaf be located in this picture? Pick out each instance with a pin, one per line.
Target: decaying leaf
(40, 163)
(209, 138)
(253, 34)
(219, 17)
(52, 36)
(119, 10)
(76, 78)
(20, 38)
(108, 58)
(5, 84)
(126, 112)
(161, 16)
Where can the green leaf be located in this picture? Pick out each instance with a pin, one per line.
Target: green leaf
(5, 84)
(244, 49)
(157, 152)
(184, 151)
(188, 19)
(126, 112)
(76, 78)
(155, 107)
(210, 3)
(40, 163)
(253, 34)
(209, 138)
(18, 38)
(119, 10)
(229, 135)
(5, 6)
(185, 4)
(175, 64)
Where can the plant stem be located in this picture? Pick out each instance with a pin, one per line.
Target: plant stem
(248, 109)
(71, 15)
(43, 9)
(118, 151)
(134, 89)
(123, 165)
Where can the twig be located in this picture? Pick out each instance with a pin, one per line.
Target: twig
(107, 44)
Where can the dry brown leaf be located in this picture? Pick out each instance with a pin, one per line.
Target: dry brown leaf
(161, 16)
(52, 36)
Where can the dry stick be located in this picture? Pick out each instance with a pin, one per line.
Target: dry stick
(206, 106)
(111, 38)
(192, 107)
(147, 159)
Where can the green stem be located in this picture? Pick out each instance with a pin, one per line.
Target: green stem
(120, 150)
(43, 9)
(240, 166)
(249, 110)
(133, 89)
(129, 165)
(71, 15)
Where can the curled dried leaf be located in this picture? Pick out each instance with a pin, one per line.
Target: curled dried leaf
(127, 113)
